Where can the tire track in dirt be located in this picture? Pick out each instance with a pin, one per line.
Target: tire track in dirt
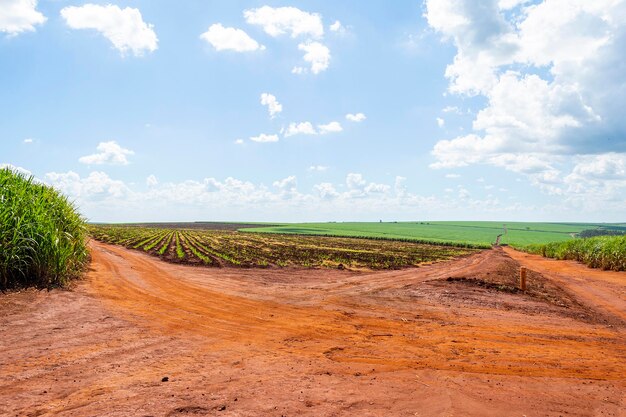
(159, 296)
(272, 342)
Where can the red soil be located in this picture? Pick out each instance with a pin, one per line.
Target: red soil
(317, 342)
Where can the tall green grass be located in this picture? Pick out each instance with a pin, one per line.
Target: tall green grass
(605, 252)
(42, 236)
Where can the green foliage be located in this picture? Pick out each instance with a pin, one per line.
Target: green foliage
(605, 252)
(228, 248)
(480, 234)
(42, 236)
(600, 232)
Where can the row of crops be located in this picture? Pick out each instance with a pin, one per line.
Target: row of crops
(42, 236)
(219, 248)
(605, 252)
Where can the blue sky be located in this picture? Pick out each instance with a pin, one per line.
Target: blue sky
(457, 110)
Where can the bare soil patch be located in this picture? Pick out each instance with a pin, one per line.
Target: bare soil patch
(143, 337)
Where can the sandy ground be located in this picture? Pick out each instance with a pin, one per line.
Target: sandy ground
(140, 337)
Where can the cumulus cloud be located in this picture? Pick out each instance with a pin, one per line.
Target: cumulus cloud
(302, 128)
(108, 153)
(326, 190)
(230, 39)
(28, 140)
(152, 180)
(292, 21)
(97, 185)
(332, 127)
(239, 141)
(273, 106)
(103, 198)
(17, 16)
(440, 122)
(553, 77)
(306, 128)
(16, 169)
(357, 117)
(337, 27)
(264, 138)
(287, 185)
(125, 28)
(316, 54)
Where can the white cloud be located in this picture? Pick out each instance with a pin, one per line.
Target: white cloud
(337, 27)
(230, 39)
(354, 180)
(374, 188)
(332, 127)
(288, 184)
(399, 187)
(108, 153)
(152, 180)
(316, 54)
(239, 142)
(451, 109)
(273, 106)
(125, 28)
(318, 168)
(326, 191)
(302, 128)
(102, 198)
(98, 185)
(440, 122)
(264, 138)
(286, 20)
(452, 176)
(549, 74)
(17, 16)
(510, 4)
(358, 117)
(16, 169)
(28, 140)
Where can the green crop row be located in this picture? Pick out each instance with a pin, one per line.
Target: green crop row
(605, 252)
(42, 236)
(228, 248)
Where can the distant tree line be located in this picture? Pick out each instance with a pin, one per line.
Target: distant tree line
(600, 232)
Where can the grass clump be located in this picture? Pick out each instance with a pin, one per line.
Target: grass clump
(42, 236)
(605, 252)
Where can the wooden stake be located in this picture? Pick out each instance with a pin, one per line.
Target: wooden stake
(522, 278)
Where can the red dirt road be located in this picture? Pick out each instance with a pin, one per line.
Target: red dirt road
(237, 342)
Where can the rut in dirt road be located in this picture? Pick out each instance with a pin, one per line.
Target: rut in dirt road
(144, 337)
(348, 318)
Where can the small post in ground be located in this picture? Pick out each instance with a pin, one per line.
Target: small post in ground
(522, 278)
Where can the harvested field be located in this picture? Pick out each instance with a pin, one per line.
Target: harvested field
(143, 337)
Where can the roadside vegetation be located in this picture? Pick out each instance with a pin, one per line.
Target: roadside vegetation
(42, 236)
(605, 252)
(218, 248)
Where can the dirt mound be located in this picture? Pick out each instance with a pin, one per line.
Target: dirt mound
(500, 272)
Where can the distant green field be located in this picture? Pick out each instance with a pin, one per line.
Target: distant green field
(478, 233)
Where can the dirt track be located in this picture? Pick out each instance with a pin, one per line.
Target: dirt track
(315, 342)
